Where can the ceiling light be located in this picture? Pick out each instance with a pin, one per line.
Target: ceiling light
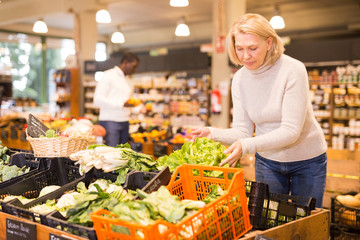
(179, 3)
(118, 37)
(40, 26)
(182, 30)
(103, 16)
(277, 22)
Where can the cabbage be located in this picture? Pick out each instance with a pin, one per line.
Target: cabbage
(48, 189)
(67, 200)
(103, 184)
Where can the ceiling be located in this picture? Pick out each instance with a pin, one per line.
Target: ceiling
(141, 20)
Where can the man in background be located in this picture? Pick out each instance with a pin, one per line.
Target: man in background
(112, 94)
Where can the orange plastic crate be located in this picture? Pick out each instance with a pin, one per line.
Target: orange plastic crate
(225, 218)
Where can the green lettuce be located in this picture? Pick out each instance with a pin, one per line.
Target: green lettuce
(203, 151)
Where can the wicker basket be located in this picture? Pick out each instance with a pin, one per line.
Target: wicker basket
(59, 146)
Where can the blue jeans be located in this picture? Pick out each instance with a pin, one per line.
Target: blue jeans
(116, 132)
(302, 178)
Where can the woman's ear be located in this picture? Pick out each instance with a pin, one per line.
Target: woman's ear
(269, 42)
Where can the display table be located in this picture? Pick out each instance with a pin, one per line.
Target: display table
(315, 226)
(42, 231)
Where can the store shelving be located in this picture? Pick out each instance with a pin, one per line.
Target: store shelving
(178, 100)
(67, 91)
(90, 110)
(335, 96)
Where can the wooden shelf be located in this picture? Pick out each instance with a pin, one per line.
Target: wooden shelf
(42, 231)
(71, 85)
(315, 226)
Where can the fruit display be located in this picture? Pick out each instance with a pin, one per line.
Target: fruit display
(154, 135)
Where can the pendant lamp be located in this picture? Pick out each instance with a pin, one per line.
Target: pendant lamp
(40, 26)
(117, 37)
(277, 22)
(103, 16)
(182, 29)
(179, 3)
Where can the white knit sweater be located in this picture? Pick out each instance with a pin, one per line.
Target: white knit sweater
(274, 100)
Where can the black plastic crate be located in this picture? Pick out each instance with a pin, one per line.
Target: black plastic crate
(160, 149)
(176, 146)
(15, 207)
(61, 172)
(268, 209)
(343, 215)
(338, 232)
(18, 150)
(22, 159)
(147, 181)
(137, 147)
(56, 220)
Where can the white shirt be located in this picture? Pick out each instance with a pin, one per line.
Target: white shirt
(275, 99)
(111, 93)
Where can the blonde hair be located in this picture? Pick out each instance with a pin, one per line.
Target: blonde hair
(255, 24)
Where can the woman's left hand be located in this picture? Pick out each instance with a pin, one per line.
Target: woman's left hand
(236, 152)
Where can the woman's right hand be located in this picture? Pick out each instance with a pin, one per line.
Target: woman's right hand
(201, 132)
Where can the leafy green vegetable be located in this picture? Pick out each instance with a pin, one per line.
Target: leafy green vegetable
(203, 151)
(126, 145)
(50, 133)
(136, 161)
(96, 145)
(167, 206)
(80, 213)
(215, 192)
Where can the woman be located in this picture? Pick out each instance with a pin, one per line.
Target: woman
(270, 96)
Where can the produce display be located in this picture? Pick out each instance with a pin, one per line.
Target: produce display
(70, 127)
(77, 204)
(160, 204)
(119, 159)
(347, 210)
(153, 135)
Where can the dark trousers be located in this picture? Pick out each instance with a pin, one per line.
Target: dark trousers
(116, 132)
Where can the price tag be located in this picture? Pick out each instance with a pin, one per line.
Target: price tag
(162, 178)
(16, 230)
(35, 127)
(57, 237)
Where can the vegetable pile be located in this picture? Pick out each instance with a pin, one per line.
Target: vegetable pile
(119, 159)
(78, 204)
(8, 172)
(4, 157)
(203, 151)
(161, 205)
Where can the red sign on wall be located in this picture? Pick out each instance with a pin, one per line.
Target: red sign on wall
(220, 44)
